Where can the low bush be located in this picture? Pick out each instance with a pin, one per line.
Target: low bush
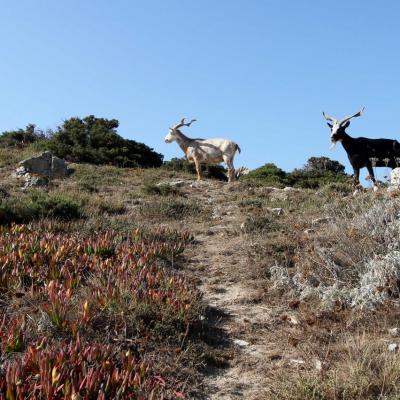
(208, 171)
(362, 371)
(318, 172)
(22, 137)
(269, 175)
(161, 190)
(177, 209)
(36, 205)
(260, 224)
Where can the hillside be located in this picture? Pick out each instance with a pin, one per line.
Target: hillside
(155, 285)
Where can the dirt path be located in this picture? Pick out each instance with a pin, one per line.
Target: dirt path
(220, 260)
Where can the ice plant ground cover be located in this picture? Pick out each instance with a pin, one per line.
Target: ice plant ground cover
(80, 314)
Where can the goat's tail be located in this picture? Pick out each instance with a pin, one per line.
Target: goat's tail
(238, 148)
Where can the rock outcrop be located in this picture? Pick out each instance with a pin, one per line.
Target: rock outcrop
(394, 179)
(38, 170)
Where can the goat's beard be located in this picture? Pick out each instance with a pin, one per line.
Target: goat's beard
(333, 144)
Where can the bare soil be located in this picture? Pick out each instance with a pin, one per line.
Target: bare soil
(231, 290)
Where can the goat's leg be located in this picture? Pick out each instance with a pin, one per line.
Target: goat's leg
(371, 173)
(231, 170)
(372, 177)
(356, 176)
(198, 168)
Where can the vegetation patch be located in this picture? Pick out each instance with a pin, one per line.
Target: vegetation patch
(175, 209)
(37, 204)
(94, 306)
(316, 173)
(161, 190)
(260, 224)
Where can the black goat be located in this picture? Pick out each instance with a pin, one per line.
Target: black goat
(364, 152)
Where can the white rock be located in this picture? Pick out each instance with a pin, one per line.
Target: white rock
(293, 320)
(394, 332)
(393, 347)
(318, 365)
(322, 220)
(395, 177)
(172, 183)
(296, 361)
(240, 342)
(277, 211)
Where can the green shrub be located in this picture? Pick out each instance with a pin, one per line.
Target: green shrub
(21, 137)
(260, 224)
(252, 203)
(318, 172)
(314, 179)
(342, 188)
(36, 205)
(161, 190)
(211, 171)
(172, 209)
(269, 175)
(95, 140)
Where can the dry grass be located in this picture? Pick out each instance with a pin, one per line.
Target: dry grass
(338, 278)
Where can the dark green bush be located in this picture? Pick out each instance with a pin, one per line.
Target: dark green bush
(208, 171)
(96, 141)
(260, 224)
(173, 209)
(22, 137)
(161, 190)
(314, 179)
(269, 175)
(36, 205)
(318, 172)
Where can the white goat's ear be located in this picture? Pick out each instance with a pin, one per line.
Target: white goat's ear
(330, 125)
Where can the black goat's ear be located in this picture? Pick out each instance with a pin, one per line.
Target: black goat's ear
(346, 125)
(330, 125)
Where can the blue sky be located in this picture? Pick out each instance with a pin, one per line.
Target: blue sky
(259, 72)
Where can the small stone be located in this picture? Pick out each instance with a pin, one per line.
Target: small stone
(179, 183)
(318, 365)
(20, 171)
(395, 178)
(394, 332)
(240, 342)
(309, 231)
(296, 361)
(322, 220)
(277, 211)
(393, 347)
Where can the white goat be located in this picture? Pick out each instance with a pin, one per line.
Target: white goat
(204, 151)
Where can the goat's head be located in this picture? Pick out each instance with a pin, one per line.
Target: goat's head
(338, 127)
(174, 132)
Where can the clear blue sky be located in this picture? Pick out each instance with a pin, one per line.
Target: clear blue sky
(259, 72)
